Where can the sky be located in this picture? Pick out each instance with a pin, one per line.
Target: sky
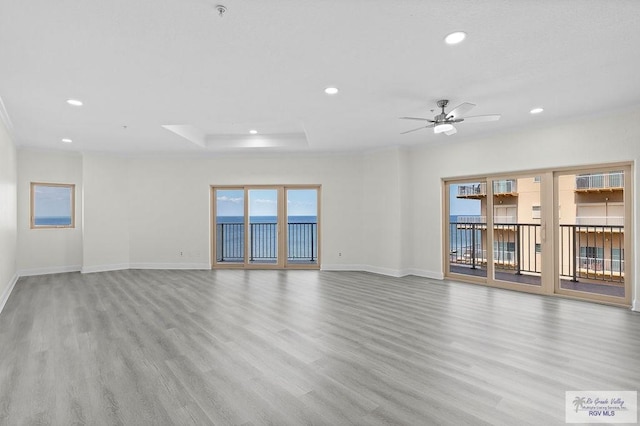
(462, 206)
(52, 201)
(263, 202)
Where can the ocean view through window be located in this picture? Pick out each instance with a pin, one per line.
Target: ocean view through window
(266, 227)
(52, 205)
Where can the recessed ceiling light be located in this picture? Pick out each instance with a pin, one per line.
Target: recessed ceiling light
(67, 140)
(455, 38)
(331, 90)
(74, 102)
(253, 132)
(536, 111)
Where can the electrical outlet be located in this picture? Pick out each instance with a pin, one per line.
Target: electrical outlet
(340, 254)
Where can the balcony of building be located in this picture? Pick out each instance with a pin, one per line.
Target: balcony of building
(599, 225)
(502, 188)
(600, 182)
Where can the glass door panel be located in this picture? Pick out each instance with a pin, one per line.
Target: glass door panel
(517, 242)
(591, 234)
(230, 226)
(262, 238)
(467, 228)
(302, 226)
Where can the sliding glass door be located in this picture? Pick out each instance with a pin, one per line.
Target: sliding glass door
(266, 226)
(517, 239)
(592, 233)
(229, 227)
(263, 226)
(302, 226)
(550, 232)
(467, 228)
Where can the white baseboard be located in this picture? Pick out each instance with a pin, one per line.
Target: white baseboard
(7, 292)
(362, 268)
(425, 274)
(341, 267)
(49, 270)
(104, 268)
(397, 273)
(111, 267)
(170, 266)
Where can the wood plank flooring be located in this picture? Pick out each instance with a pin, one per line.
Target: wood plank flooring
(232, 347)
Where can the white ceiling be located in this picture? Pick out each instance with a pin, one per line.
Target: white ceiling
(264, 65)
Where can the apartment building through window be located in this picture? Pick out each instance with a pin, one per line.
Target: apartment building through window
(552, 232)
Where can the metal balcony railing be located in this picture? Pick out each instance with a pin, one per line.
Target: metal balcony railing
(590, 251)
(263, 242)
(600, 181)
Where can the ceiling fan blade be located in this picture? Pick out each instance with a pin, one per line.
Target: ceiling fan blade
(416, 118)
(482, 118)
(451, 132)
(460, 110)
(419, 128)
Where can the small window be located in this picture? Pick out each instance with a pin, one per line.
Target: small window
(592, 252)
(52, 205)
(538, 248)
(535, 212)
(536, 179)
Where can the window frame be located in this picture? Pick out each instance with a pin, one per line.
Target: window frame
(32, 204)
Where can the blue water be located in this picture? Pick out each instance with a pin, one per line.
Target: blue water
(460, 239)
(302, 235)
(266, 219)
(53, 221)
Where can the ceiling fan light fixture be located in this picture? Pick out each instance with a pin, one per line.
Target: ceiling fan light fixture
(455, 37)
(442, 127)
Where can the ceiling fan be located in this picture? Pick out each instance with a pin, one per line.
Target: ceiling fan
(443, 122)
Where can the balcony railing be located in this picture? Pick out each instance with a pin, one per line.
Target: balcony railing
(600, 220)
(605, 242)
(473, 190)
(263, 242)
(471, 219)
(600, 181)
(483, 219)
(518, 249)
(508, 186)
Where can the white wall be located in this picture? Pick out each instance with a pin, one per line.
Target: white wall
(615, 138)
(382, 218)
(8, 225)
(170, 204)
(42, 251)
(105, 225)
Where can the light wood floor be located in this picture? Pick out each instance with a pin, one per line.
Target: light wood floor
(300, 347)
